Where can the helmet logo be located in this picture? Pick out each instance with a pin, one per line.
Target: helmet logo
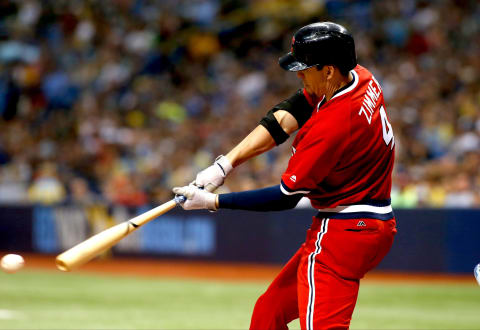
(293, 41)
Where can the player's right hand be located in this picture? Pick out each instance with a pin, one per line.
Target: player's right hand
(196, 198)
(213, 176)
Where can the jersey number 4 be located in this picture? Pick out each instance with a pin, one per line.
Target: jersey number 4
(386, 128)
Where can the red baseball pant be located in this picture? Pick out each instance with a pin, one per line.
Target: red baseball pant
(320, 283)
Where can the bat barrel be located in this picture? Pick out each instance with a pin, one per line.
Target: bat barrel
(62, 265)
(87, 250)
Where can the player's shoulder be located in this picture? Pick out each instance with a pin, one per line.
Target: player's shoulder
(363, 72)
(366, 84)
(364, 77)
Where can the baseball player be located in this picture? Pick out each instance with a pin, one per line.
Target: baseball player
(342, 160)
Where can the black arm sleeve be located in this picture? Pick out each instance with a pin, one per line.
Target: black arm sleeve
(264, 200)
(297, 105)
(274, 128)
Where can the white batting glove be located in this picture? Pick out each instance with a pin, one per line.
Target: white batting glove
(213, 176)
(197, 199)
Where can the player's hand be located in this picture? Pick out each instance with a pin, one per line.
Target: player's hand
(197, 198)
(213, 176)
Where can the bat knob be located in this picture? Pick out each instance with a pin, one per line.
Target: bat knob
(180, 199)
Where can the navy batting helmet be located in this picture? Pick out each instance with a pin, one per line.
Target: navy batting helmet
(324, 43)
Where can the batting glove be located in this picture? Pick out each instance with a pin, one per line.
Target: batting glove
(197, 199)
(213, 176)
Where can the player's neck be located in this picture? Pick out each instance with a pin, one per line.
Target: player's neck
(337, 83)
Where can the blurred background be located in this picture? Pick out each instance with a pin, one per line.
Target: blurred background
(106, 105)
(121, 100)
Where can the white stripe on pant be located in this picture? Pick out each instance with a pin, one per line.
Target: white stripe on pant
(311, 274)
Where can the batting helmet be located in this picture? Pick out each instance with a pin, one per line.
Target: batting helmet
(324, 43)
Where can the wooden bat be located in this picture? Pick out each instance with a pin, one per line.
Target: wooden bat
(92, 247)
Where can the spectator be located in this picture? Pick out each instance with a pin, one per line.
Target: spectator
(96, 86)
(46, 187)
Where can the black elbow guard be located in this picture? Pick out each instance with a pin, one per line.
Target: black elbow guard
(274, 128)
(297, 105)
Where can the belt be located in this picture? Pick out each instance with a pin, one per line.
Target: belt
(357, 211)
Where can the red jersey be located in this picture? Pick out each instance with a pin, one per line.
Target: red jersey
(343, 155)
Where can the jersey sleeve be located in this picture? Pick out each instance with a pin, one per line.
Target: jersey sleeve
(316, 154)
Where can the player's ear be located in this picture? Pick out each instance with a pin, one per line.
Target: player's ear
(329, 71)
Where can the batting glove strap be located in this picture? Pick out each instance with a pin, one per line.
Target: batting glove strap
(213, 176)
(224, 164)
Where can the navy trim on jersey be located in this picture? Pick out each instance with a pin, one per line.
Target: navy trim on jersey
(360, 210)
(349, 87)
(338, 91)
(287, 191)
(322, 102)
(355, 215)
(366, 201)
(345, 89)
(366, 209)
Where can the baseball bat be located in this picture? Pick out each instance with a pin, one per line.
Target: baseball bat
(95, 245)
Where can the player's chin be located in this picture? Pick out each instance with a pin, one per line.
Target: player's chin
(309, 89)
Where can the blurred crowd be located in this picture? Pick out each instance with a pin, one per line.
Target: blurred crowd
(118, 101)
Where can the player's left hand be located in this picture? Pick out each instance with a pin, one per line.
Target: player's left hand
(197, 198)
(213, 176)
